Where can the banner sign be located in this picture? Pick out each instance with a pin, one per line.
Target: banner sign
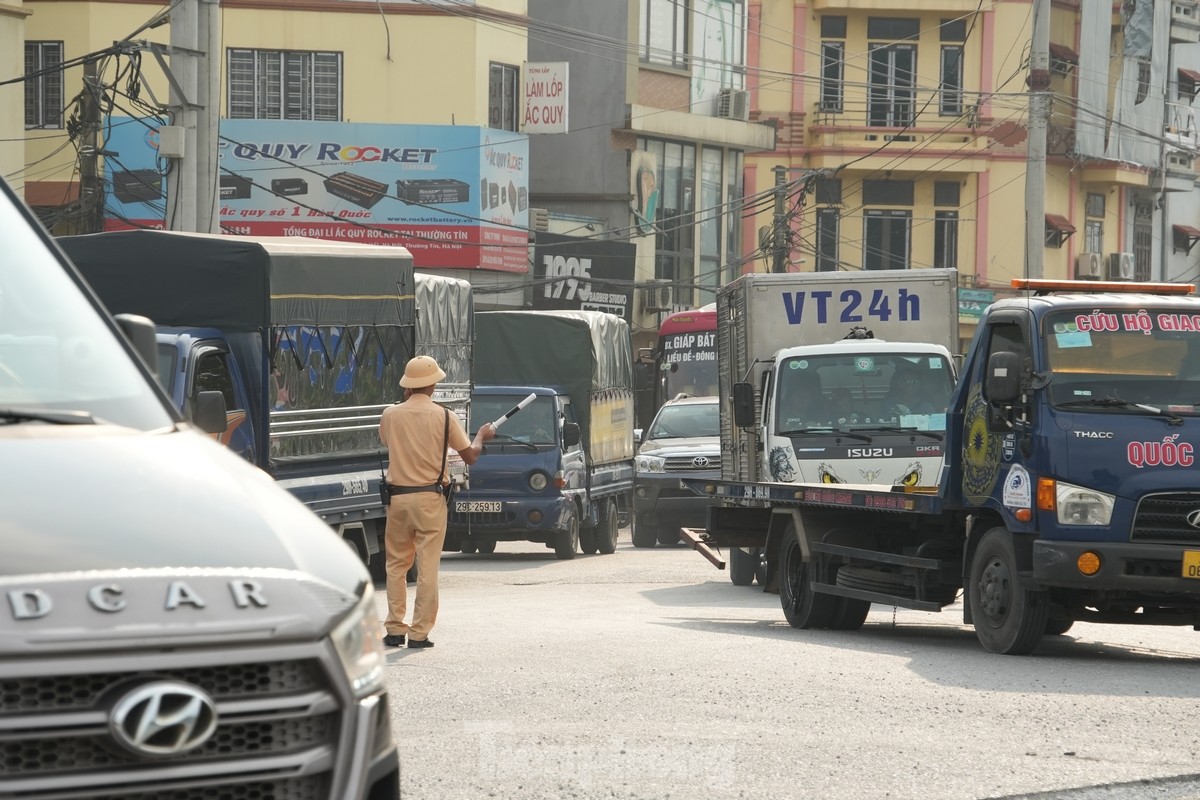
(545, 106)
(455, 196)
(583, 274)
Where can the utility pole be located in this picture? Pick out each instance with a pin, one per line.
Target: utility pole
(1039, 120)
(91, 186)
(195, 92)
(779, 237)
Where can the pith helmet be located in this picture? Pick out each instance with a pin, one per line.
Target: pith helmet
(420, 372)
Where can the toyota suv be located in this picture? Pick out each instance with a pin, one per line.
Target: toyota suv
(683, 441)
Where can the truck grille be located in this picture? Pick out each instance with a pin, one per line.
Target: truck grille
(689, 463)
(1163, 518)
(278, 728)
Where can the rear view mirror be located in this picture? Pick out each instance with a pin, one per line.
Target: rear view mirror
(570, 433)
(208, 412)
(140, 332)
(1002, 383)
(743, 405)
(637, 435)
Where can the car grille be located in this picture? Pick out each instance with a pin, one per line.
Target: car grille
(278, 728)
(1163, 518)
(688, 463)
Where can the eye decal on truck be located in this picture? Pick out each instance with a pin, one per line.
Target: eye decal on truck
(825, 474)
(911, 476)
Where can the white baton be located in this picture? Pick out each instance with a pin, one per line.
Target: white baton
(513, 410)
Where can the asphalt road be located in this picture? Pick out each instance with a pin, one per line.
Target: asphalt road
(647, 674)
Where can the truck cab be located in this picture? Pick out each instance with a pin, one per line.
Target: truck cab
(526, 486)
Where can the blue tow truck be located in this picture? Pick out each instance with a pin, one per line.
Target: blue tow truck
(1068, 491)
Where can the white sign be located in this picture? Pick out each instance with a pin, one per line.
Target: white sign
(1017, 491)
(545, 107)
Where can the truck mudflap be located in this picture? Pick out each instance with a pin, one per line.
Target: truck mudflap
(1123, 567)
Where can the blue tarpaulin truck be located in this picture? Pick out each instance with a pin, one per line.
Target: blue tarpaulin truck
(561, 470)
(303, 340)
(1068, 488)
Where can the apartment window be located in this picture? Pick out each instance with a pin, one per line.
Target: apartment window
(945, 239)
(945, 193)
(285, 84)
(664, 34)
(886, 237)
(1093, 226)
(950, 102)
(44, 91)
(829, 191)
(887, 193)
(828, 222)
(891, 85)
(502, 97)
(833, 59)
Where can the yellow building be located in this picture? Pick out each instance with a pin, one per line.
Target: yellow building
(336, 60)
(903, 137)
(12, 95)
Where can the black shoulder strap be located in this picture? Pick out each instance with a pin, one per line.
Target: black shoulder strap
(445, 445)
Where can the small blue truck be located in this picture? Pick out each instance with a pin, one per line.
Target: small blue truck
(1068, 489)
(561, 470)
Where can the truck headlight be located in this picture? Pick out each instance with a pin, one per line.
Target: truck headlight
(1079, 506)
(358, 640)
(649, 464)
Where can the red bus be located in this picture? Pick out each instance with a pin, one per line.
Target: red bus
(686, 356)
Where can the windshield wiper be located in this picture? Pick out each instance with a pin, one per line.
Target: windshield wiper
(1116, 402)
(839, 431)
(897, 429)
(9, 416)
(506, 439)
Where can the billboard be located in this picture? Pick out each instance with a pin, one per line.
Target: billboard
(583, 274)
(455, 196)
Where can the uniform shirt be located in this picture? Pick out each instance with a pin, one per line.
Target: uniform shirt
(413, 432)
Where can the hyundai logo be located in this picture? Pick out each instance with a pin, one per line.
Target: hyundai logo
(1193, 518)
(699, 462)
(164, 718)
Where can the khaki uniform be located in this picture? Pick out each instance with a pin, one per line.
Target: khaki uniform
(416, 522)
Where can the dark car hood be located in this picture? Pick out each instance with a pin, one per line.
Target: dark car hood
(96, 497)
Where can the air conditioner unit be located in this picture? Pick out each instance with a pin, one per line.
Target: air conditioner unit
(1120, 266)
(733, 104)
(657, 297)
(539, 219)
(1089, 267)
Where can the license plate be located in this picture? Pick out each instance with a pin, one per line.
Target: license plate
(483, 507)
(1191, 563)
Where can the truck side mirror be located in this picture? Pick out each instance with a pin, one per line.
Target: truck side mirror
(637, 435)
(743, 405)
(208, 412)
(570, 433)
(1002, 384)
(140, 332)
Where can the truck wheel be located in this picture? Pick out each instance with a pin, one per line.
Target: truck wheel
(802, 607)
(1057, 627)
(1008, 618)
(606, 530)
(468, 546)
(486, 546)
(644, 535)
(742, 567)
(668, 534)
(587, 540)
(567, 542)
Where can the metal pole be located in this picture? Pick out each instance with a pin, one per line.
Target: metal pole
(1039, 117)
(779, 238)
(208, 219)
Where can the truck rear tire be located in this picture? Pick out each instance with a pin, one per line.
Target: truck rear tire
(607, 529)
(742, 567)
(587, 541)
(1057, 627)
(802, 607)
(485, 546)
(1008, 618)
(668, 535)
(644, 535)
(567, 542)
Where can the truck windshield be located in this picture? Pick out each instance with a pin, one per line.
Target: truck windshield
(1118, 361)
(882, 391)
(534, 424)
(56, 352)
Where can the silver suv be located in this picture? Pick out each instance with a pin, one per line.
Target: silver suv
(683, 441)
